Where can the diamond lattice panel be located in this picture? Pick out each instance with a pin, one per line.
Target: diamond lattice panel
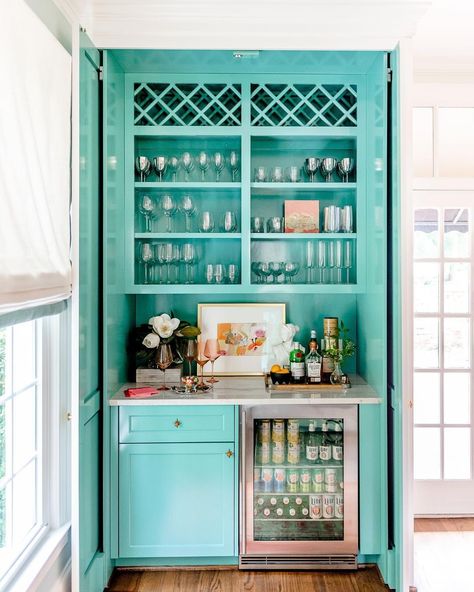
(188, 104)
(298, 105)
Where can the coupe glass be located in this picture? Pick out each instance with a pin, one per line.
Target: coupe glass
(190, 352)
(146, 257)
(164, 359)
(234, 163)
(255, 267)
(264, 271)
(291, 269)
(229, 222)
(187, 162)
(147, 206)
(143, 167)
(206, 222)
(188, 208)
(188, 257)
(202, 360)
(276, 268)
(203, 163)
(309, 261)
(173, 166)
(219, 164)
(212, 353)
(159, 164)
(168, 207)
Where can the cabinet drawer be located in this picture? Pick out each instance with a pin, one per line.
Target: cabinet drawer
(210, 423)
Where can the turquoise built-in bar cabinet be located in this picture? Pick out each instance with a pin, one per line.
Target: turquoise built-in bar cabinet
(271, 110)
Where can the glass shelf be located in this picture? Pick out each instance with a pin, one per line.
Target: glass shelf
(304, 186)
(300, 235)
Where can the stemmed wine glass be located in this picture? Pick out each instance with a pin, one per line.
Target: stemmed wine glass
(146, 257)
(212, 353)
(327, 167)
(143, 167)
(173, 165)
(167, 256)
(234, 162)
(276, 268)
(159, 164)
(188, 257)
(203, 162)
(321, 260)
(164, 359)
(344, 168)
(291, 269)
(187, 162)
(201, 360)
(146, 206)
(206, 222)
(309, 262)
(190, 353)
(264, 271)
(311, 165)
(219, 163)
(168, 207)
(187, 208)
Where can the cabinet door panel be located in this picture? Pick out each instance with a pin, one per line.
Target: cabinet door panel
(176, 500)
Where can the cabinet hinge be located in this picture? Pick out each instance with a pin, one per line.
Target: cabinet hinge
(101, 72)
(389, 74)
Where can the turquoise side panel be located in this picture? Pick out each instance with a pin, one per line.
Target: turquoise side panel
(176, 500)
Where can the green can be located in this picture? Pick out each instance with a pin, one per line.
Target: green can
(305, 480)
(318, 480)
(292, 480)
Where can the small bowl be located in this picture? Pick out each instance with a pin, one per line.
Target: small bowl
(280, 378)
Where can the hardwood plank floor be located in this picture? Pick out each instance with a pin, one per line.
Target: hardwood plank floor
(234, 580)
(444, 524)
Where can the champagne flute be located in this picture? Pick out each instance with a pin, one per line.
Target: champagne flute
(146, 257)
(188, 208)
(201, 360)
(211, 351)
(168, 207)
(164, 359)
(322, 260)
(331, 263)
(339, 260)
(190, 353)
(146, 206)
(309, 262)
(348, 259)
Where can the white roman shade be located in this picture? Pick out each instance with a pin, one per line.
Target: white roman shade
(35, 140)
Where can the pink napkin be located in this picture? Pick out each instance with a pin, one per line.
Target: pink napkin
(144, 391)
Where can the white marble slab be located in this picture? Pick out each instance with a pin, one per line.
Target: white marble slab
(251, 391)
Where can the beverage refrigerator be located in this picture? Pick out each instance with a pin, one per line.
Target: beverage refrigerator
(299, 487)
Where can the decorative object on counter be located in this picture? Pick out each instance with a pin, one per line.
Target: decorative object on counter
(337, 349)
(279, 374)
(190, 383)
(241, 331)
(201, 360)
(272, 385)
(162, 330)
(160, 163)
(279, 343)
(143, 167)
(344, 168)
(140, 392)
(301, 216)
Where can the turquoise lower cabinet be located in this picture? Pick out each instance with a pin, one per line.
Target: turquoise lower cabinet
(177, 500)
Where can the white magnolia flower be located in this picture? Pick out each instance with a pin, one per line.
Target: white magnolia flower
(151, 340)
(164, 325)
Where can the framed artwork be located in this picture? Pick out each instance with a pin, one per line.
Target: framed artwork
(242, 331)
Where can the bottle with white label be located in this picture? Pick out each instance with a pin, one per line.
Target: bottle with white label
(312, 448)
(313, 362)
(325, 447)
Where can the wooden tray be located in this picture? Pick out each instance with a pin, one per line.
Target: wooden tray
(302, 387)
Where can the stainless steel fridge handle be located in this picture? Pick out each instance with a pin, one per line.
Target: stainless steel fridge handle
(243, 517)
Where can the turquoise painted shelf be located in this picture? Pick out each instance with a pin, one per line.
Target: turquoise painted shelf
(244, 289)
(316, 132)
(187, 235)
(160, 131)
(191, 185)
(302, 235)
(317, 186)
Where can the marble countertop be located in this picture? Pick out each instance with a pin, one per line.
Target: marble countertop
(252, 391)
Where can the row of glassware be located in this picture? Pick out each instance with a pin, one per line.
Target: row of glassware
(170, 263)
(325, 262)
(326, 167)
(169, 207)
(335, 219)
(162, 165)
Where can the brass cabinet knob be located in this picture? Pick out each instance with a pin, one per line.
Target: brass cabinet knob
(229, 453)
(177, 423)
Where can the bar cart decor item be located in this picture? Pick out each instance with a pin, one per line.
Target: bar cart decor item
(162, 332)
(301, 216)
(345, 348)
(243, 331)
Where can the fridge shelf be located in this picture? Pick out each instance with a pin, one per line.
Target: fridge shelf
(290, 466)
(312, 520)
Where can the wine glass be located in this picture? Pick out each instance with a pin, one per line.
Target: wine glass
(159, 164)
(188, 257)
(143, 167)
(168, 207)
(175, 260)
(167, 256)
(206, 222)
(345, 167)
(327, 167)
(190, 353)
(290, 270)
(212, 353)
(158, 263)
(201, 360)
(229, 222)
(173, 166)
(311, 165)
(203, 162)
(187, 162)
(321, 260)
(348, 259)
(146, 206)
(309, 261)
(219, 163)
(146, 257)
(188, 208)
(164, 359)
(234, 163)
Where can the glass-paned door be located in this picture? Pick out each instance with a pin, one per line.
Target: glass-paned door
(442, 385)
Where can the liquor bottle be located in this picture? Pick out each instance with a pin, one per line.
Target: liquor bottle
(327, 363)
(325, 446)
(312, 448)
(313, 361)
(297, 364)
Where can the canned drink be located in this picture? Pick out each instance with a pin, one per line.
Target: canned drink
(264, 431)
(293, 431)
(305, 480)
(279, 480)
(328, 506)
(257, 480)
(267, 477)
(318, 480)
(278, 453)
(339, 506)
(293, 455)
(278, 430)
(315, 506)
(292, 480)
(265, 453)
(330, 479)
(337, 452)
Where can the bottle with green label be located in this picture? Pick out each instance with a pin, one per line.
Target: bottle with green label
(297, 364)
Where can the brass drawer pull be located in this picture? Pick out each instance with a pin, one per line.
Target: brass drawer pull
(177, 423)
(229, 453)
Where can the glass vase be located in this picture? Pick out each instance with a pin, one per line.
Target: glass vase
(337, 374)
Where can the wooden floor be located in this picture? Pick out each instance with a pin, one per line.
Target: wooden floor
(444, 524)
(233, 580)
